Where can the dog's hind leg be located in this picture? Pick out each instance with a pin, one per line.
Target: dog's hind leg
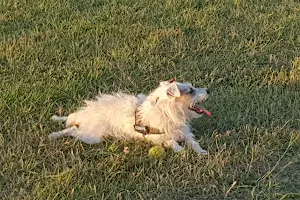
(59, 118)
(71, 131)
(74, 131)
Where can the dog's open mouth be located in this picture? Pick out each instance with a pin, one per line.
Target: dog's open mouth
(200, 110)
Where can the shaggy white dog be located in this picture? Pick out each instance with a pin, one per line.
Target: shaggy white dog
(162, 117)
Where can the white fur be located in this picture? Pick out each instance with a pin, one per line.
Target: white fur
(166, 109)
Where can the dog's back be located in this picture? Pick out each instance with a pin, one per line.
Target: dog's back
(107, 114)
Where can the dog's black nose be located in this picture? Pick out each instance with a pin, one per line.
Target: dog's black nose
(207, 91)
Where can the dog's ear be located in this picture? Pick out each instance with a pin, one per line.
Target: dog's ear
(172, 80)
(173, 90)
(168, 82)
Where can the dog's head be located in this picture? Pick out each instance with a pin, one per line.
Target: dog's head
(185, 96)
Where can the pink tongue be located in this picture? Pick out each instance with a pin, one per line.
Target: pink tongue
(203, 110)
(206, 112)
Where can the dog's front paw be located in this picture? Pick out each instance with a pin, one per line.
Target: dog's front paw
(196, 147)
(199, 150)
(177, 148)
(202, 152)
(173, 145)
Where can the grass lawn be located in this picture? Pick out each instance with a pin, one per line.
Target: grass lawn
(55, 53)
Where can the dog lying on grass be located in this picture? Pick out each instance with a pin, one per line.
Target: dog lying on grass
(162, 117)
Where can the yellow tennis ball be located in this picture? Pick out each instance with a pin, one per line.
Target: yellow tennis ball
(157, 152)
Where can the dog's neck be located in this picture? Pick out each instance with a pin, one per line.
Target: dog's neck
(160, 116)
(144, 129)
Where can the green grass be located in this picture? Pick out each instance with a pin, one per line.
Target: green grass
(57, 53)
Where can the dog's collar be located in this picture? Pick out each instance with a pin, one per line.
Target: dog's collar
(145, 130)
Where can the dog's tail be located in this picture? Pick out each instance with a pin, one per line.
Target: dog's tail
(59, 118)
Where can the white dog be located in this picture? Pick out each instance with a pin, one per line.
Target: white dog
(161, 117)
